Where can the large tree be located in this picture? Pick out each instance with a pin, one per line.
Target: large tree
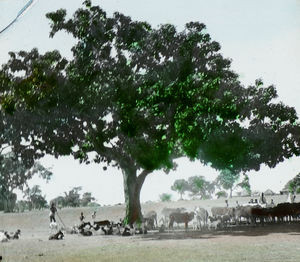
(227, 180)
(180, 186)
(35, 199)
(199, 186)
(72, 198)
(86, 199)
(137, 98)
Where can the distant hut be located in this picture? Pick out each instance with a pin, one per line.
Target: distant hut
(269, 192)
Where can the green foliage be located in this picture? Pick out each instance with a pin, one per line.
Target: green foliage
(165, 197)
(245, 184)
(293, 185)
(227, 179)
(198, 186)
(180, 186)
(221, 194)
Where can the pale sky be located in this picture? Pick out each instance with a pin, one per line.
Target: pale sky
(262, 37)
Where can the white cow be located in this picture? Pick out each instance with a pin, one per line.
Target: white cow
(3, 237)
(201, 218)
(53, 228)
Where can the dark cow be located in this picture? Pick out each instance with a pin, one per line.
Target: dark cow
(107, 230)
(58, 236)
(263, 214)
(243, 212)
(285, 210)
(17, 234)
(98, 224)
(86, 233)
(84, 224)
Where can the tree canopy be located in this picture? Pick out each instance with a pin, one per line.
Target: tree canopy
(180, 186)
(137, 98)
(35, 199)
(199, 186)
(227, 179)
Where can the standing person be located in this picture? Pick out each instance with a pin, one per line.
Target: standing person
(81, 218)
(53, 210)
(262, 199)
(94, 216)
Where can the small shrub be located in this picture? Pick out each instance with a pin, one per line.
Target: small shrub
(221, 194)
(165, 197)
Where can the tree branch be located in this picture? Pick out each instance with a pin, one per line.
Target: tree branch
(141, 177)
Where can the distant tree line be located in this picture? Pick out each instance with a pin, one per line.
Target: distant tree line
(73, 198)
(33, 199)
(199, 187)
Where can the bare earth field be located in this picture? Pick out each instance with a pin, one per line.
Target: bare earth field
(278, 242)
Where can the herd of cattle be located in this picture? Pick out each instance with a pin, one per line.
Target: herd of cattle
(199, 218)
(220, 217)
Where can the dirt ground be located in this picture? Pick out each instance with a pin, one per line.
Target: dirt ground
(278, 242)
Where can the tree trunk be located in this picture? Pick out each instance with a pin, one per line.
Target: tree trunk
(132, 189)
(8, 200)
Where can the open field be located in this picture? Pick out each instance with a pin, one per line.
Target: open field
(261, 243)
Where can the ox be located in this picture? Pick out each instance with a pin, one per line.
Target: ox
(181, 218)
(150, 219)
(224, 214)
(201, 216)
(166, 212)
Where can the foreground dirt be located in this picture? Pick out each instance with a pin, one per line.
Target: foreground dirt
(279, 242)
(269, 243)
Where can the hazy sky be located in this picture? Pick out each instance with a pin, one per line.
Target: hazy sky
(261, 36)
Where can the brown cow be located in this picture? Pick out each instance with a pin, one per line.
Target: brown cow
(166, 212)
(98, 224)
(181, 218)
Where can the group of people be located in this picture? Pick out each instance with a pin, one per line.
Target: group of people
(59, 235)
(53, 211)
